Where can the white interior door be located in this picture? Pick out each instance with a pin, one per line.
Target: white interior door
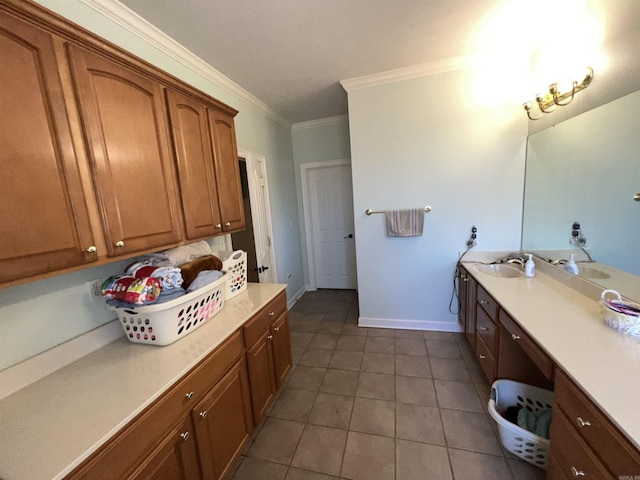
(261, 214)
(330, 194)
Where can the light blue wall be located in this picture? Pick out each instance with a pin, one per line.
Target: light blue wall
(323, 142)
(40, 315)
(423, 142)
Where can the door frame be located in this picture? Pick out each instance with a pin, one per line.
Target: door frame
(305, 170)
(251, 159)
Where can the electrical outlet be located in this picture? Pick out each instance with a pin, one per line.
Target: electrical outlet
(95, 288)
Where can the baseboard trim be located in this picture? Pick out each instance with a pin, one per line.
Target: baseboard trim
(432, 325)
(296, 296)
(39, 366)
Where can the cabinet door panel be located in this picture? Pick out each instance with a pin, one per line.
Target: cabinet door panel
(195, 166)
(45, 222)
(261, 376)
(223, 422)
(281, 348)
(227, 171)
(126, 131)
(470, 322)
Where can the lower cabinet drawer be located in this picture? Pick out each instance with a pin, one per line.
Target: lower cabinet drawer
(574, 457)
(486, 329)
(486, 359)
(554, 470)
(262, 320)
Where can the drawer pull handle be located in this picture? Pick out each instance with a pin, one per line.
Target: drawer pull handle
(189, 395)
(203, 414)
(119, 244)
(270, 337)
(576, 473)
(483, 302)
(185, 436)
(482, 357)
(227, 224)
(583, 423)
(465, 279)
(276, 329)
(271, 314)
(483, 329)
(515, 337)
(92, 249)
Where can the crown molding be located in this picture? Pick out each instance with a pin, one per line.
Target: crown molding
(138, 26)
(321, 122)
(407, 73)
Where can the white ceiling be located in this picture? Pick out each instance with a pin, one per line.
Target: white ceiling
(291, 54)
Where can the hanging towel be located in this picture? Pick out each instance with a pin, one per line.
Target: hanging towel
(405, 223)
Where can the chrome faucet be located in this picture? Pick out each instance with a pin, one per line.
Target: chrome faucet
(560, 261)
(516, 261)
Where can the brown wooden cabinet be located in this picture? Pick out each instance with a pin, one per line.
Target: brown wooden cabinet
(281, 348)
(127, 139)
(45, 221)
(487, 333)
(467, 305)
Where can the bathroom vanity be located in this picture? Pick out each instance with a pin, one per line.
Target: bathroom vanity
(542, 332)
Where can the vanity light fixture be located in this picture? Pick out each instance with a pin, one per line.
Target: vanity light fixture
(548, 101)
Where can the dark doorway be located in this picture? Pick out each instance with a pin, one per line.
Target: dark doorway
(244, 240)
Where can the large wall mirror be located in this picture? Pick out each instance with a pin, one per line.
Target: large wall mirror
(587, 170)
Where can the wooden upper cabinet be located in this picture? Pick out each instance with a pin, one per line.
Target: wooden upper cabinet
(194, 157)
(127, 139)
(44, 222)
(227, 170)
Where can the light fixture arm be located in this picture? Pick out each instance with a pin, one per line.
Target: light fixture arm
(547, 102)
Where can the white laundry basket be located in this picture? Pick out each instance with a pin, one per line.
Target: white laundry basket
(164, 323)
(522, 443)
(235, 265)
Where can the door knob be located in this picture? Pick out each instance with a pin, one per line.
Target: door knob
(349, 236)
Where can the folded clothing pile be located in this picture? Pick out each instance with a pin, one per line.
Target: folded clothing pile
(161, 277)
(537, 422)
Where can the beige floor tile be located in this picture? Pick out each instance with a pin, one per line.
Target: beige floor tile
(293, 405)
(477, 466)
(414, 334)
(369, 457)
(320, 449)
(415, 390)
(412, 366)
(296, 354)
(379, 344)
(349, 329)
(450, 369)
(306, 326)
(346, 360)
(522, 470)
(417, 461)
(381, 332)
(378, 363)
(331, 410)
(419, 423)
(352, 343)
(306, 378)
(458, 396)
(442, 349)
(431, 335)
(469, 431)
(324, 340)
(373, 416)
(253, 468)
(301, 339)
(277, 440)
(334, 328)
(376, 386)
(341, 382)
(408, 346)
(299, 474)
(316, 357)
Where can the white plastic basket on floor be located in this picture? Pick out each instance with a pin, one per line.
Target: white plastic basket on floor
(235, 264)
(522, 443)
(164, 323)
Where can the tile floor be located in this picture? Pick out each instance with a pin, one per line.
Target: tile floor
(377, 404)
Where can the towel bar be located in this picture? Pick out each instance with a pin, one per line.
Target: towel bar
(368, 211)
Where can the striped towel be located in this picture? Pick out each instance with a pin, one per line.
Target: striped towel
(405, 223)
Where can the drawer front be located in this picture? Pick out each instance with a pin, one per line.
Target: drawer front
(486, 359)
(262, 320)
(531, 348)
(574, 457)
(488, 303)
(487, 330)
(554, 470)
(608, 443)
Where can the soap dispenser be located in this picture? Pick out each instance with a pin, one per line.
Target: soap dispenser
(529, 267)
(571, 267)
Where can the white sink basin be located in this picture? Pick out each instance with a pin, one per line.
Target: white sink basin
(499, 270)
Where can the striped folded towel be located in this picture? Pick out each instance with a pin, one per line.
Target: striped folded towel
(405, 223)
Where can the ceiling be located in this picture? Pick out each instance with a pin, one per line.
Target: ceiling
(292, 54)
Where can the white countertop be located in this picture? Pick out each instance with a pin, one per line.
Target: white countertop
(567, 324)
(51, 426)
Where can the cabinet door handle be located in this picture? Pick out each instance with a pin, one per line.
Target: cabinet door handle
(203, 414)
(119, 244)
(576, 473)
(515, 337)
(189, 395)
(483, 302)
(583, 423)
(227, 224)
(276, 329)
(92, 249)
(482, 357)
(271, 314)
(465, 279)
(270, 337)
(185, 436)
(483, 329)
(218, 225)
